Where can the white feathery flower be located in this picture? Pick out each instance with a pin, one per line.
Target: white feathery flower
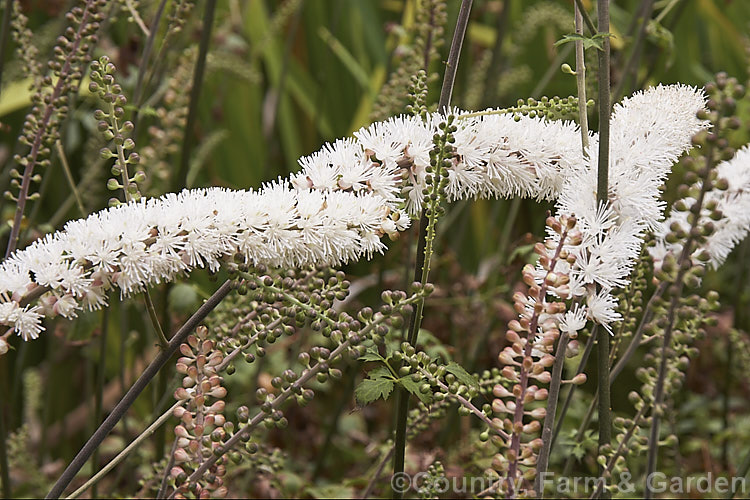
(152, 241)
(573, 320)
(601, 308)
(649, 131)
(350, 193)
(734, 204)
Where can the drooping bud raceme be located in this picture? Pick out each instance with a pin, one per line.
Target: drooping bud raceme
(728, 210)
(352, 192)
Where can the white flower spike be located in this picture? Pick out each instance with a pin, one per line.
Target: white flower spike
(349, 194)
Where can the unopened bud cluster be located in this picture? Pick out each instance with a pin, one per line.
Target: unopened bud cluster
(518, 406)
(713, 209)
(50, 95)
(202, 426)
(112, 125)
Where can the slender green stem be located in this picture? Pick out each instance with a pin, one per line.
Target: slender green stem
(675, 292)
(421, 269)
(69, 177)
(605, 410)
(741, 472)
(124, 453)
(145, 56)
(549, 418)
(149, 373)
(665, 11)
(137, 17)
(620, 448)
(180, 179)
(583, 115)
(4, 407)
(493, 73)
(4, 32)
(586, 18)
(569, 397)
(155, 320)
(632, 64)
(99, 395)
(552, 70)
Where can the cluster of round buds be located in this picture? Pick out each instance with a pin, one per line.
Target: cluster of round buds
(50, 98)
(111, 125)
(519, 407)
(202, 423)
(551, 108)
(711, 214)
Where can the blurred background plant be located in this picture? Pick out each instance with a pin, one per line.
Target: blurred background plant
(231, 94)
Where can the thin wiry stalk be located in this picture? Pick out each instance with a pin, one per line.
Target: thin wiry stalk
(493, 73)
(583, 116)
(569, 398)
(586, 18)
(36, 146)
(149, 373)
(605, 410)
(422, 265)
(69, 177)
(195, 91)
(552, 70)
(91, 483)
(99, 394)
(162, 493)
(632, 64)
(549, 419)
(653, 443)
(4, 32)
(138, 92)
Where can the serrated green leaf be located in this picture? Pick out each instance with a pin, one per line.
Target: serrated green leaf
(588, 42)
(462, 375)
(413, 388)
(571, 37)
(371, 354)
(370, 390)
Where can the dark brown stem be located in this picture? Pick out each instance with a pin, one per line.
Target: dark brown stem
(180, 179)
(119, 411)
(402, 404)
(549, 418)
(523, 378)
(603, 391)
(59, 89)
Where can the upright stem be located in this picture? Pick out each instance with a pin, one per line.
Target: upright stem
(99, 395)
(605, 411)
(180, 179)
(4, 413)
(145, 56)
(675, 291)
(422, 265)
(632, 64)
(60, 88)
(4, 31)
(119, 411)
(583, 116)
(549, 418)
